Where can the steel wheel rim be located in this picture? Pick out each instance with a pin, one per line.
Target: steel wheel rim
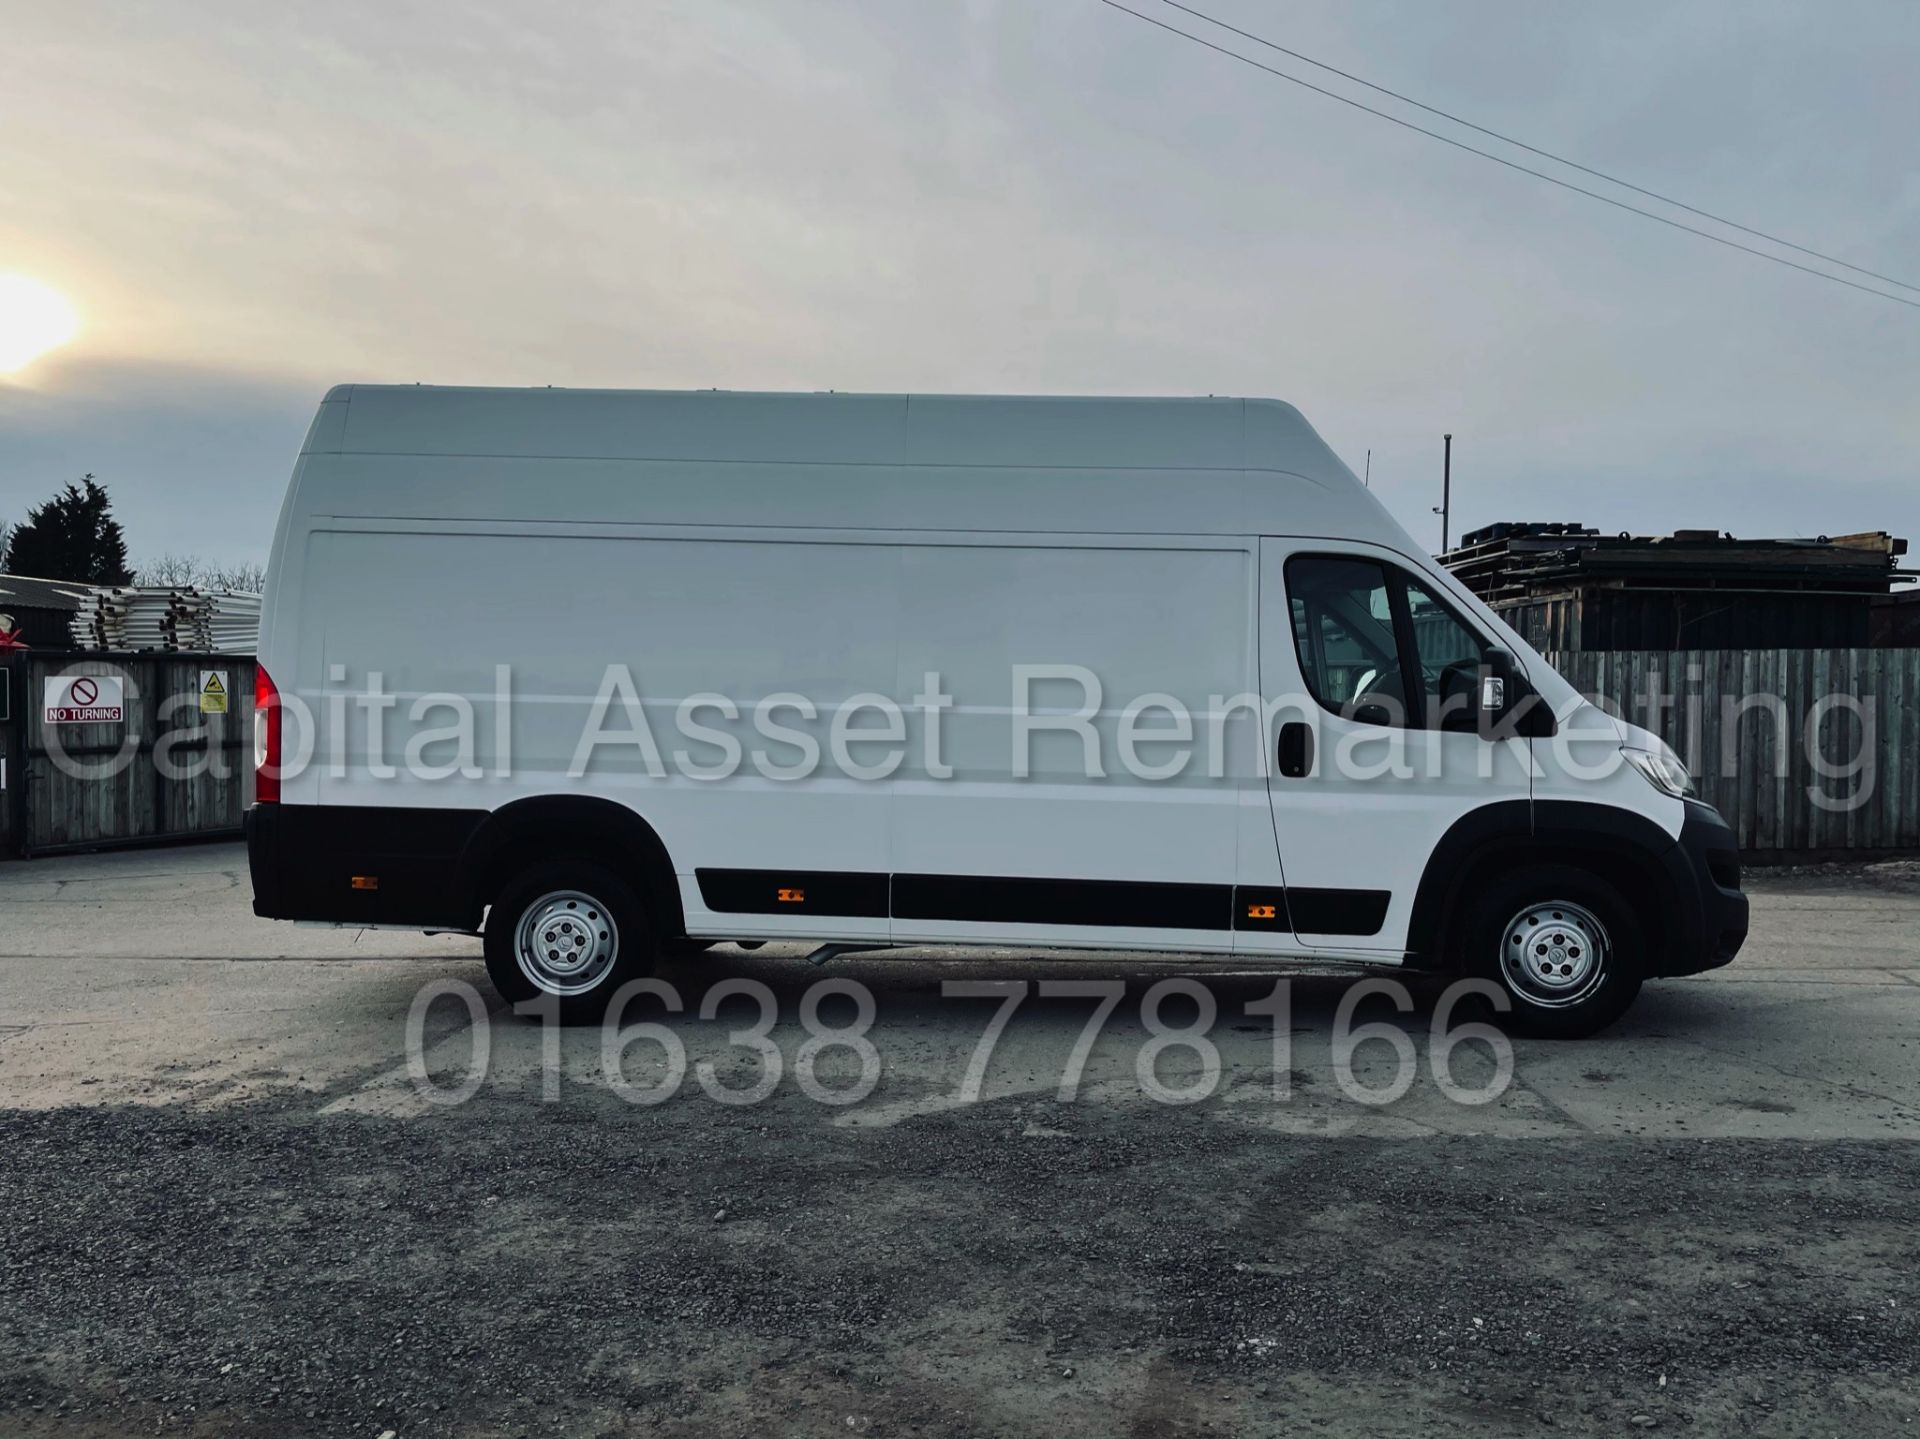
(566, 942)
(1554, 954)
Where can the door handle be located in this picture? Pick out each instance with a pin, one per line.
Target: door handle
(1296, 749)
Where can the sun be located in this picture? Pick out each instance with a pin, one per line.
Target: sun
(34, 318)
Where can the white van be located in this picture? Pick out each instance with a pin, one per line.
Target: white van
(598, 672)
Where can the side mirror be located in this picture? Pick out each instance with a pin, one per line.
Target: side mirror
(1508, 705)
(1499, 682)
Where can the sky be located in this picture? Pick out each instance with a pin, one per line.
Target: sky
(248, 203)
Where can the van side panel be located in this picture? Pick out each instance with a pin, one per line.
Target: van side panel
(580, 623)
(1098, 626)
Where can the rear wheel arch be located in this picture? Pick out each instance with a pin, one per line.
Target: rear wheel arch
(545, 827)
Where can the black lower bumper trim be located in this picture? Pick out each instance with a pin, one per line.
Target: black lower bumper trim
(347, 864)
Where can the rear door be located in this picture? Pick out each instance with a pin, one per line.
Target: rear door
(1383, 674)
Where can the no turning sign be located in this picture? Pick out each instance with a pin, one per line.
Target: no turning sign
(85, 699)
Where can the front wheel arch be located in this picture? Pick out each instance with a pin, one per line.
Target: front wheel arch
(1617, 846)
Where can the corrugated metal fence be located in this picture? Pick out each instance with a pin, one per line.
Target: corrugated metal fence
(166, 770)
(1809, 753)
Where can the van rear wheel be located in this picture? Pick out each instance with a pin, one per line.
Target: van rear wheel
(1565, 947)
(570, 930)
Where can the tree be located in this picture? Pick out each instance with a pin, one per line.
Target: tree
(171, 571)
(73, 536)
(248, 578)
(179, 571)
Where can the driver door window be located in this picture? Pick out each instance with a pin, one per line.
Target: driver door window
(1378, 646)
(1343, 625)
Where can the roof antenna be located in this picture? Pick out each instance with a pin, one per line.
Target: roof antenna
(1367, 479)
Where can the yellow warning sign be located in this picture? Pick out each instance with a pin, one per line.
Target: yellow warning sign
(213, 692)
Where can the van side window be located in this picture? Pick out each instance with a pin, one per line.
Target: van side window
(1449, 655)
(1378, 646)
(1343, 627)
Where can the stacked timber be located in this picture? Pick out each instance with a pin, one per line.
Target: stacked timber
(1567, 587)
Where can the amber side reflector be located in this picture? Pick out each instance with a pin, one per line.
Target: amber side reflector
(791, 896)
(366, 881)
(1260, 911)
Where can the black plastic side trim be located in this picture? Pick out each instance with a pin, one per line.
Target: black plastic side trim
(760, 891)
(1121, 904)
(1007, 899)
(1338, 911)
(435, 867)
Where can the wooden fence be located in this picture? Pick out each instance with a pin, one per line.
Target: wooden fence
(1808, 753)
(167, 769)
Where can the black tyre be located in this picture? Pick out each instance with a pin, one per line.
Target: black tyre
(570, 929)
(1563, 944)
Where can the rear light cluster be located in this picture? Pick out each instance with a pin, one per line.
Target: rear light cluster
(266, 738)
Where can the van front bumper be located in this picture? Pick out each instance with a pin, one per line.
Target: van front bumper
(1712, 921)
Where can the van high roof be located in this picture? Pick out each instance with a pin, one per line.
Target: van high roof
(938, 462)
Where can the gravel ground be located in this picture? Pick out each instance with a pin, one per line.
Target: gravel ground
(1888, 876)
(228, 1213)
(1014, 1267)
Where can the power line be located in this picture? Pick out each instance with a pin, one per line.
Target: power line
(1543, 154)
(1510, 164)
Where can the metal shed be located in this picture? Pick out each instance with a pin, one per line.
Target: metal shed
(42, 610)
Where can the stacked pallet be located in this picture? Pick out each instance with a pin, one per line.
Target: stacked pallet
(1566, 587)
(1506, 562)
(185, 618)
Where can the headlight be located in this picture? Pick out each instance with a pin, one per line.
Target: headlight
(1662, 769)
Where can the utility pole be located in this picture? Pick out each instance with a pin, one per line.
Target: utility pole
(1445, 508)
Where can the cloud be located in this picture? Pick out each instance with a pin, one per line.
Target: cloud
(196, 460)
(995, 196)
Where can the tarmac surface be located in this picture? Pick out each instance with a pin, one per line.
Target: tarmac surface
(239, 1202)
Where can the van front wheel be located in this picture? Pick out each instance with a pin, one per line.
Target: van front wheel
(1564, 946)
(569, 930)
